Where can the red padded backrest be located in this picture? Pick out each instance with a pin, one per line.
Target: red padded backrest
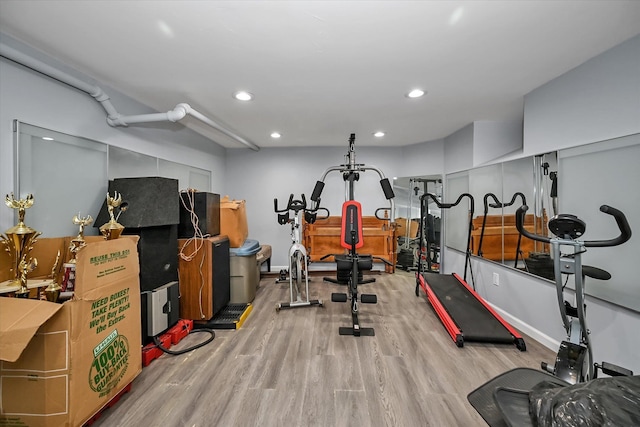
(351, 220)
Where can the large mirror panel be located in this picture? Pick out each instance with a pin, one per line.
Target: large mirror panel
(456, 220)
(408, 194)
(68, 175)
(573, 181)
(605, 173)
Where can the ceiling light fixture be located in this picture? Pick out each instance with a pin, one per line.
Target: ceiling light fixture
(379, 134)
(243, 96)
(47, 138)
(415, 93)
(275, 135)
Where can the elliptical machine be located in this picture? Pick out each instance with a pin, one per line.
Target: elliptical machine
(298, 259)
(574, 361)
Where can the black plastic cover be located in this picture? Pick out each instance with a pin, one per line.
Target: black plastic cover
(601, 402)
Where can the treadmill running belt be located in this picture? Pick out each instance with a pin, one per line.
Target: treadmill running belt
(474, 320)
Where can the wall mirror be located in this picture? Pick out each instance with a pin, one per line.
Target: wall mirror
(68, 175)
(408, 192)
(572, 181)
(498, 191)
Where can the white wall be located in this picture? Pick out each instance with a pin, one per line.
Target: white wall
(492, 139)
(598, 100)
(33, 98)
(458, 150)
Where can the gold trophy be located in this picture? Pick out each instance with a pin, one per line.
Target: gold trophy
(52, 292)
(112, 230)
(78, 242)
(18, 241)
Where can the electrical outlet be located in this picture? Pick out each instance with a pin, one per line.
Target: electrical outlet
(496, 279)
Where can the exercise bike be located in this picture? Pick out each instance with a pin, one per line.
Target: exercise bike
(522, 395)
(298, 259)
(574, 361)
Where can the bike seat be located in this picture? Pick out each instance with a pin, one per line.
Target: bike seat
(595, 273)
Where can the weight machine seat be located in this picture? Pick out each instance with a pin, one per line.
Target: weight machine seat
(345, 262)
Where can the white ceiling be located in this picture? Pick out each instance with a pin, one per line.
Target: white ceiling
(320, 70)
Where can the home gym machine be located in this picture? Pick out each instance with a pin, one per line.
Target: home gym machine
(351, 236)
(527, 397)
(499, 205)
(298, 259)
(463, 312)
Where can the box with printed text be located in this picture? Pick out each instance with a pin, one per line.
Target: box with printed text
(61, 363)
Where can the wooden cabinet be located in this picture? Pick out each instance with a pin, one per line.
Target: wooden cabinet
(323, 238)
(205, 279)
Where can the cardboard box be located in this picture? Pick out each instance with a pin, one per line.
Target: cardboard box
(401, 228)
(61, 363)
(233, 221)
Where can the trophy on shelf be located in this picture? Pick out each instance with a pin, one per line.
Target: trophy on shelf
(78, 242)
(18, 242)
(52, 292)
(112, 230)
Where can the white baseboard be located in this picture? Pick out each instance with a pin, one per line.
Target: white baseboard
(542, 338)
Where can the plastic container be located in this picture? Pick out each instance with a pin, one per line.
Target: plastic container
(245, 272)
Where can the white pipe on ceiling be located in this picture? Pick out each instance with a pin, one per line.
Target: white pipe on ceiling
(113, 117)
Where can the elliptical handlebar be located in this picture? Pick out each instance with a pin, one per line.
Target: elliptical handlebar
(621, 221)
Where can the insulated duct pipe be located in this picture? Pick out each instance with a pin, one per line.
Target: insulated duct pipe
(113, 117)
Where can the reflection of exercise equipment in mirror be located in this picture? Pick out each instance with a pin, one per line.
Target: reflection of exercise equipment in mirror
(499, 205)
(574, 362)
(351, 236)
(298, 259)
(465, 315)
(563, 394)
(407, 237)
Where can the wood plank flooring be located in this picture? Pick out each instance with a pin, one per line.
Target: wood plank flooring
(291, 368)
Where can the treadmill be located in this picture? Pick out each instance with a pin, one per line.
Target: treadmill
(464, 314)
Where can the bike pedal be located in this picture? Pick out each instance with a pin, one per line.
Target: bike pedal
(338, 297)
(369, 299)
(614, 370)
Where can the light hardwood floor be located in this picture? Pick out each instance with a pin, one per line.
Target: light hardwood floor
(291, 368)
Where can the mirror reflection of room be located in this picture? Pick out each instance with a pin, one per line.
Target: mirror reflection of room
(409, 193)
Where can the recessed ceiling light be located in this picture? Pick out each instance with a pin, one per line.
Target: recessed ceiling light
(415, 93)
(243, 96)
(275, 135)
(379, 134)
(47, 138)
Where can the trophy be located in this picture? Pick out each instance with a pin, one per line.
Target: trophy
(52, 292)
(18, 241)
(78, 242)
(112, 230)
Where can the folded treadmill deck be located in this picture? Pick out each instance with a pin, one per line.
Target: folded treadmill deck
(465, 315)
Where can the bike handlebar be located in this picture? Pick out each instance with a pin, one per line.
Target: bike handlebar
(294, 205)
(621, 221)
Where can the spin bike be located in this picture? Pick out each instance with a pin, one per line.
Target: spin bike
(298, 259)
(574, 361)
